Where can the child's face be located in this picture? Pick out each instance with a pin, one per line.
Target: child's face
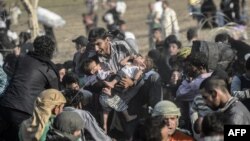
(175, 77)
(173, 49)
(139, 61)
(94, 67)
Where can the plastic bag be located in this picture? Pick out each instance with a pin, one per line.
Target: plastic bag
(49, 18)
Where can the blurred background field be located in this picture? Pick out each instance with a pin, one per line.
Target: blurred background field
(135, 17)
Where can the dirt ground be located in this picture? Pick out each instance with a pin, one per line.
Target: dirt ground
(135, 16)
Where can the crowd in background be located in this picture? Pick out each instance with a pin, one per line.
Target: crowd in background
(110, 91)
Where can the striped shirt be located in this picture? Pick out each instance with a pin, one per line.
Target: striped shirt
(119, 50)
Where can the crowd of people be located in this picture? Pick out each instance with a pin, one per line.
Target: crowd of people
(110, 91)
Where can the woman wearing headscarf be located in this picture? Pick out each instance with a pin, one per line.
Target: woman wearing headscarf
(47, 105)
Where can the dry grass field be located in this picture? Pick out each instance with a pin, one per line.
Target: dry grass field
(135, 16)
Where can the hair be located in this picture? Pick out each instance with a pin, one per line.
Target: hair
(213, 82)
(198, 59)
(191, 33)
(222, 37)
(172, 39)
(44, 46)
(86, 64)
(97, 33)
(59, 67)
(70, 78)
(150, 63)
(150, 129)
(24, 37)
(213, 124)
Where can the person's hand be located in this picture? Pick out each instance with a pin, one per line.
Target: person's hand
(107, 91)
(125, 82)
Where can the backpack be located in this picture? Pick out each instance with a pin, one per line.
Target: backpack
(219, 55)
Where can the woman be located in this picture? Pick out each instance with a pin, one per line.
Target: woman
(47, 105)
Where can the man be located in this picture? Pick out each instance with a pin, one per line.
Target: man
(34, 73)
(216, 96)
(196, 71)
(73, 91)
(90, 124)
(171, 114)
(48, 104)
(80, 44)
(192, 34)
(110, 54)
(66, 127)
(169, 20)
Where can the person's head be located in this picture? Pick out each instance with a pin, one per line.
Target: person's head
(154, 54)
(220, 73)
(122, 25)
(69, 124)
(100, 39)
(222, 37)
(51, 101)
(156, 129)
(196, 64)
(48, 103)
(213, 124)
(71, 81)
(192, 34)
(81, 100)
(61, 70)
(214, 92)
(44, 46)
(149, 63)
(165, 4)
(91, 66)
(80, 43)
(157, 33)
(170, 112)
(174, 47)
(175, 76)
(24, 37)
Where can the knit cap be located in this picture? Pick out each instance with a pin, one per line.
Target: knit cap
(165, 108)
(68, 122)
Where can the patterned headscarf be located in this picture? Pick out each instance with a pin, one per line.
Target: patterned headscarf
(33, 128)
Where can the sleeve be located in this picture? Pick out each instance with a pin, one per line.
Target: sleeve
(236, 89)
(129, 49)
(185, 91)
(93, 128)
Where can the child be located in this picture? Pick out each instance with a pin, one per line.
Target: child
(107, 100)
(134, 71)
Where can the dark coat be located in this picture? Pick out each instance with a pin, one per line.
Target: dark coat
(32, 75)
(236, 112)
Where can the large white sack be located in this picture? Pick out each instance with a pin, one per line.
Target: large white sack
(49, 18)
(121, 7)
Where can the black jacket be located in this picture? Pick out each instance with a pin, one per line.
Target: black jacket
(32, 75)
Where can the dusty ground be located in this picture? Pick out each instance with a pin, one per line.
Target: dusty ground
(135, 16)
